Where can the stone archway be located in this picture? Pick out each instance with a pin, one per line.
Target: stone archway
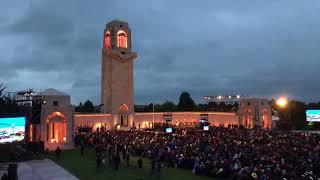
(247, 118)
(56, 127)
(123, 113)
(266, 118)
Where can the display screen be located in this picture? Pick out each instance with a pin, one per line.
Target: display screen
(12, 129)
(313, 115)
(206, 128)
(168, 130)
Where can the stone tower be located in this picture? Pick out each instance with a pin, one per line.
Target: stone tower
(117, 97)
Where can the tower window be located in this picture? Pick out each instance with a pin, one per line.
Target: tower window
(107, 40)
(122, 39)
(55, 103)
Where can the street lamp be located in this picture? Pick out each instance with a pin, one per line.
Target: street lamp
(282, 102)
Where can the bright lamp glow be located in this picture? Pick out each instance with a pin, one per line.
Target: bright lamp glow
(282, 102)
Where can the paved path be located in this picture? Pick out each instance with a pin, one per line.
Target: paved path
(43, 170)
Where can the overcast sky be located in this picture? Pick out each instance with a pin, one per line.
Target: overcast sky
(255, 48)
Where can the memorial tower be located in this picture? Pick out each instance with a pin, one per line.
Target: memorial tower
(117, 94)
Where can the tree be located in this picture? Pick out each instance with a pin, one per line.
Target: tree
(222, 106)
(202, 107)
(8, 105)
(168, 106)
(2, 88)
(298, 114)
(186, 103)
(88, 107)
(149, 108)
(213, 106)
(79, 107)
(293, 115)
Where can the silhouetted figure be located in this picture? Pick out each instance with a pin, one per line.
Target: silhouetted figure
(128, 159)
(4, 176)
(99, 160)
(116, 161)
(158, 168)
(82, 148)
(140, 163)
(124, 153)
(58, 152)
(153, 166)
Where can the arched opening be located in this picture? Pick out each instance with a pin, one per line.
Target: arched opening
(107, 40)
(122, 39)
(123, 114)
(56, 127)
(266, 119)
(247, 118)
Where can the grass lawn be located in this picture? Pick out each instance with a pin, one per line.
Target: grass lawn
(85, 168)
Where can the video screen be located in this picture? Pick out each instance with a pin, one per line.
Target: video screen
(206, 128)
(313, 115)
(168, 130)
(12, 129)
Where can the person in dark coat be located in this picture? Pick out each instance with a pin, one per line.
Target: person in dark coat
(116, 161)
(140, 163)
(128, 159)
(158, 166)
(124, 153)
(4, 176)
(82, 148)
(153, 166)
(58, 152)
(99, 160)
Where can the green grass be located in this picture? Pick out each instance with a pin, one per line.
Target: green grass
(85, 168)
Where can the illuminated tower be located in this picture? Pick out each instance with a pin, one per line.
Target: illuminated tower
(117, 94)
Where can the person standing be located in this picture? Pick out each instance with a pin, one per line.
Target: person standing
(58, 152)
(153, 166)
(116, 161)
(158, 168)
(98, 161)
(82, 148)
(128, 159)
(140, 163)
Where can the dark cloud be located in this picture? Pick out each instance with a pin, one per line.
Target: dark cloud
(252, 47)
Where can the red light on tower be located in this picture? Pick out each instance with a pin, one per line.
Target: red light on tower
(122, 39)
(107, 40)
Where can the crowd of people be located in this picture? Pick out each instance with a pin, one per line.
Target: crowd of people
(234, 152)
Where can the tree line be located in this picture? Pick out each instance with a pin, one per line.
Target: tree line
(186, 103)
(294, 116)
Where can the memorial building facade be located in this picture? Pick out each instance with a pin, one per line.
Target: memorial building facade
(59, 121)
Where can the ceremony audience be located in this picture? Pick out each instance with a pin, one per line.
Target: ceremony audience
(232, 151)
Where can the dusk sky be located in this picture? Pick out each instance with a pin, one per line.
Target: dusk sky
(255, 48)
